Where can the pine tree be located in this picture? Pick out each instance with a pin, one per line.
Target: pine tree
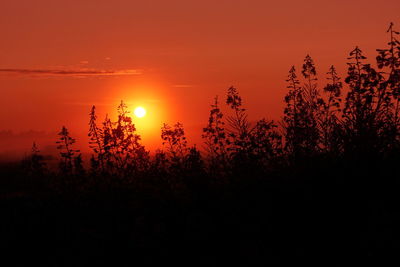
(65, 143)
(96, 143)
(37, 164)
(79, 170)
(108, 143)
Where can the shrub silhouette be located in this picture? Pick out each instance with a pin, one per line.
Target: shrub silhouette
(239, 126)
(34, 164)
(215, 139)
(317, 123)
(330, 120)
(96, 142)
(324, 176)
(295, 120)
(123, 154)
(67, 153)
(314, 104)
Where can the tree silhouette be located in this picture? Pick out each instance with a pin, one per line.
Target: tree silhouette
(96, 143)
(175, 142)
(316, 125)
(362, 111)
(65, 143)
(330, 122)
(122, 149)
(332, 159)
(176, 157)
(215, 138)
(239, 126)
(35, 164)
(314, 106)
(295, 120)
(388, 60)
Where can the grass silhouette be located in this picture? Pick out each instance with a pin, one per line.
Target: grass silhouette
(319, 187)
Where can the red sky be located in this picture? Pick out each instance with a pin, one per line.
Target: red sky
(59, 57)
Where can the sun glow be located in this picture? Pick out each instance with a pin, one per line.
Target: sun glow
(140, 112)
(151, 98)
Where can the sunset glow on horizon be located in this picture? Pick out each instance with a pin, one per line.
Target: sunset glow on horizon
(208, 132)
(170, 57)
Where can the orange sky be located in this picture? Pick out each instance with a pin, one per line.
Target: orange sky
(58, 57)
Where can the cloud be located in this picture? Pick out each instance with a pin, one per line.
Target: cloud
(71, 73)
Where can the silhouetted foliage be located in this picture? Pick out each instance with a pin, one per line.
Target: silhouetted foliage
(215, 139)
(266, 143)
(296, 121)
(123, 153)
(388, 60)
(314, 104)
(34, 164)
(67, 152)
(316, 123)
(96, 142)
(330, 122)
(176, 144)
(239, 126)
(305, 184)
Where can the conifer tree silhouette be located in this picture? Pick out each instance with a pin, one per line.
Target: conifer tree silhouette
(96, 143)
(36, 161)
(109, 145)
(79, 170)
(65, 143)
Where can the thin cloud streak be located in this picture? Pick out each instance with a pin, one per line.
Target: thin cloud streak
(73, 73)
(183, 85)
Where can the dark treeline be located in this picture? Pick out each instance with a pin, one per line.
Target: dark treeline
(321, 185)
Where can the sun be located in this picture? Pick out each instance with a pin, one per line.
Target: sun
(140, 112)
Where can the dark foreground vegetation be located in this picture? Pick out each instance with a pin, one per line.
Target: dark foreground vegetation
(319, 187)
